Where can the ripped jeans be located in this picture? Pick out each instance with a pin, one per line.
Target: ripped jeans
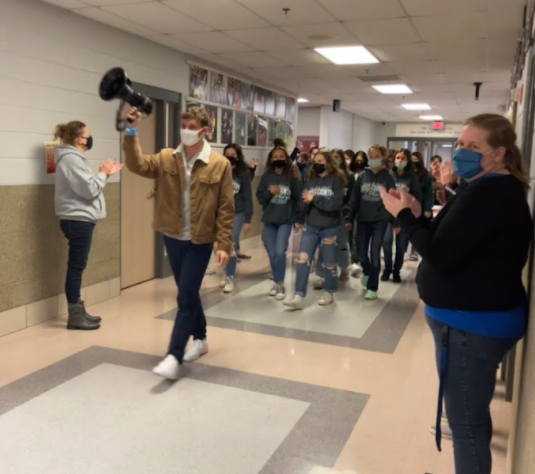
(328, 240)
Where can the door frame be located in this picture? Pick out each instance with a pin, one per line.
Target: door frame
(165, 132)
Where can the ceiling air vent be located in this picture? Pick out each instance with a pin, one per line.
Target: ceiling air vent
(390, 78)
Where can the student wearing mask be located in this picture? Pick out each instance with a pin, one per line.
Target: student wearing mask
(306, 172)
(279, 194)
(473, 256)
(323, 198)
(243, 205)
(79, 203)
(427, 196)
(367, 209)
(194, 208)
(302, 161)
(359, 163)
(349, 157)
(405, 178)
(344, 257)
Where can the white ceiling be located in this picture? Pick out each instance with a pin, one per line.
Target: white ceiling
(438, 47)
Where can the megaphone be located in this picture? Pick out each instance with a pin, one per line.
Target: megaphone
(116, 85)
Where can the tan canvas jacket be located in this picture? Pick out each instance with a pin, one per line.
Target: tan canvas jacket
(212, 196)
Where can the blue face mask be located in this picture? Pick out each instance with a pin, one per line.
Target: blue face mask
(401, 165)
(375, 163)
(467, 163)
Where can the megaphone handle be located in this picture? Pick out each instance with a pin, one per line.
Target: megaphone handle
(119, 122)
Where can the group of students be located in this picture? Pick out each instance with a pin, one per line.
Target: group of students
(334, 197)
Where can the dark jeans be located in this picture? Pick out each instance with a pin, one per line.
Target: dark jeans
(370, 237)
(401, 247)
(473, 361)
(276, 238)
(80, 235)
(353, 239)
(189, 263)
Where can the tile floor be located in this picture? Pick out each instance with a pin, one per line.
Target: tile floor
(278, 393)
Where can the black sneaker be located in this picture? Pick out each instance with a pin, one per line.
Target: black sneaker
(397, 278)
(385, 276)
(242, 256)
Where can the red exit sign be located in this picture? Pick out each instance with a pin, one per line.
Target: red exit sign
(438, 125)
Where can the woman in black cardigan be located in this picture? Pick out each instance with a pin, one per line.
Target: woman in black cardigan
(470, 279)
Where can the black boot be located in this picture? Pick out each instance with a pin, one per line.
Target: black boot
(77, 319)
(385, 276)
(93, 319)
(397, 277)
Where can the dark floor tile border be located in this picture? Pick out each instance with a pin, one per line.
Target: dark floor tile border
(382, 336)
(317, 439)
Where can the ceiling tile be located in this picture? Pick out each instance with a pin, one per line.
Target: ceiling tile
(67, 3)
(218, 60)
(328, 34)
(457, 49)
(158, 17)
(440, 8)
(414, 67)
(214, 42)
(401, 52)
(347, 10)
(252, 59)
(220, 14)
(264, 39)
(107, 3)
(445, 28)
(177, 44)
(302, 12)
(371, 32)
(301, 57)
(112, 20)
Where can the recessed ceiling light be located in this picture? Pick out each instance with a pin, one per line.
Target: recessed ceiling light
(435, 118)
(393, 89)
(416, 106)
(302, 100)
(447, 145)
(348, 55)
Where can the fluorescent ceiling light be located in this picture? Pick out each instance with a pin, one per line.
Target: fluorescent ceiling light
(446, 146)
(393, 89)
(348, 55)
(416, 106)
(302, 100)
(435, 118)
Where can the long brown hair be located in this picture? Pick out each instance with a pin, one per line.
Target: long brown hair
(331, 167)
(69, 132)
(501, 133)
(342, 165)
(288, 170)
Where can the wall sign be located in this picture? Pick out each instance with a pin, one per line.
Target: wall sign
(452, 130)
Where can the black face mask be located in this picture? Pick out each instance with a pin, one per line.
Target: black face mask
(318, 168)
(233, 160)
(360, 166)
(301, 166)
(89, 142)
(279, 163)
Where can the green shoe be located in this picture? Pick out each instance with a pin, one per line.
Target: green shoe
(370, 295)
(364, 280)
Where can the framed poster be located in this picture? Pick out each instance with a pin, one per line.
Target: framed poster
(259, 100)
(269, 103)
(263, 130)
(233, 92)
(227, 126)
(252, 126)
(282, 131)
(290, 108)
(213, 111)
(246, 96)
(198, 83)
(272, 131)
(240, 128)
(280, 106)
(218, 88)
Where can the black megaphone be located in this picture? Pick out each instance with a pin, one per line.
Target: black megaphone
(116, 85)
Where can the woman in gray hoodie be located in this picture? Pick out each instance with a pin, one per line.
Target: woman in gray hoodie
(79, 202)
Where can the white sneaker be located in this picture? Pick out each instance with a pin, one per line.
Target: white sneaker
(295, 303)
(319, 284)
(273, 291)
(355, 270)
(168, 368)
(229, 285)
(198, 349)
(344, 275)
(326, 299)
(281, 292)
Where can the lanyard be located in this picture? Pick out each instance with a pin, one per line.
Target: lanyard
(443, 372)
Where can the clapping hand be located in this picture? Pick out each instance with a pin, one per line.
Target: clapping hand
(396, 201)
(307, 196)
(110, 167)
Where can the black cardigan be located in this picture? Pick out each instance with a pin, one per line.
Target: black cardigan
(474, 252)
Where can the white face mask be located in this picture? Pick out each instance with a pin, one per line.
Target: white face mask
(189, 137)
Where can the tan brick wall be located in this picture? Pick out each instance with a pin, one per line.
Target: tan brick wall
(33, 250)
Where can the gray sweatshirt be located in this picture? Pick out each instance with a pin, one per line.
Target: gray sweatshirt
(79, 194)
(325, 210)
(283, 208)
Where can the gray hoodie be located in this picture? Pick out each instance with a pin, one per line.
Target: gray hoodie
(79, 193)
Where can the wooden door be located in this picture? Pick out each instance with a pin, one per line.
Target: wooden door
(138, 257)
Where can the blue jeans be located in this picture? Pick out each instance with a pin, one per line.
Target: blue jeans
(189, 263)
(343, 260)
(275, 238)
(80, 235)
(370, 236)
(312, 238)
(401, 247)
(469, 386)
(239, 222)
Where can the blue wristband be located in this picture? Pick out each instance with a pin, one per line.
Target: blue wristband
(131, 131)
